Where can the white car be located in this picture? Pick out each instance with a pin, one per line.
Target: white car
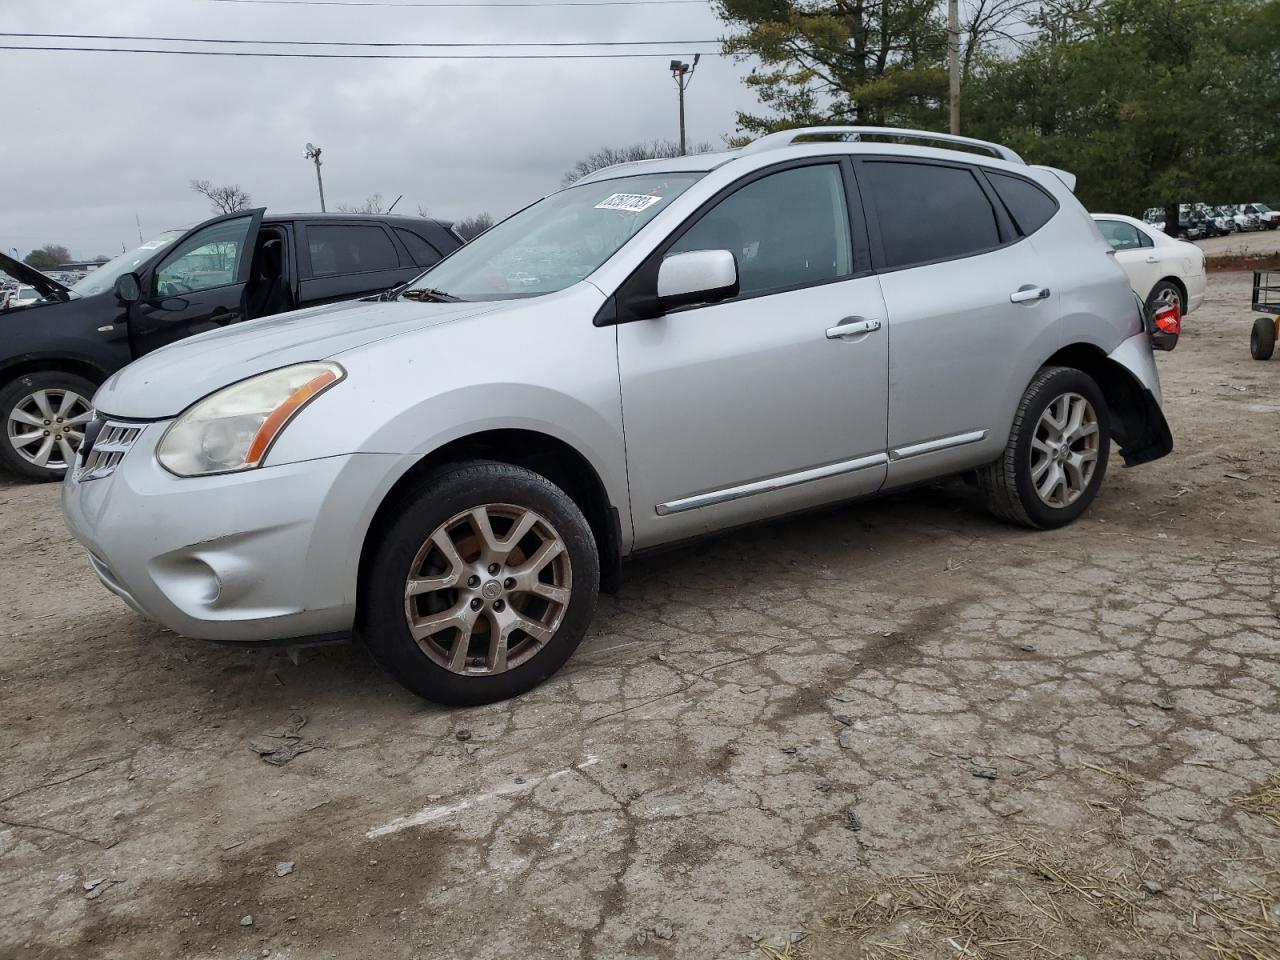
(1267, 218)
(1161, 270)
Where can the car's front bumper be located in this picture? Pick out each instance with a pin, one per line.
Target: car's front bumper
(267, 554)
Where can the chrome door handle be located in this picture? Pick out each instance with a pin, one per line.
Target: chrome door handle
(1028, 294)
(1153, 259)
(851, 327)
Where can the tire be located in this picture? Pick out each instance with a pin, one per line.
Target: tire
(1165, 291)
(465, 589)
(1262, 341)
(1009, 486)
(30, 407)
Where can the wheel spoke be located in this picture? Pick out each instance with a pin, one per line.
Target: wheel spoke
(550, 592)
(1084, 431)
(491, 547)
(420, 585)
(549, 550)
(67, 403)
(41, 399)
(23, 439)
(1046, 487)
(68, 451)
(78, 419)
(41, 459)
(21, 416)
(1038, 471)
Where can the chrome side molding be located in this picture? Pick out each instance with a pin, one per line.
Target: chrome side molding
(770, 484)
(933, 446)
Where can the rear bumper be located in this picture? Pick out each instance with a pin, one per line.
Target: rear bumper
(1138, 421)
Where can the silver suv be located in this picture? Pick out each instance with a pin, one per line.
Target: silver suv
(660, 351)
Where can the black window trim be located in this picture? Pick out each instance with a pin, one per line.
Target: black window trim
(1008, 234)
(403, 248)
(617, 308)
(1057, 207)
(304, 247)
(243, 268)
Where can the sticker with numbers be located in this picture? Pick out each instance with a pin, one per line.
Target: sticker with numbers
(628, 202)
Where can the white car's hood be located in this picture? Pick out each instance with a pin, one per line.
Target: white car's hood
(166, 382)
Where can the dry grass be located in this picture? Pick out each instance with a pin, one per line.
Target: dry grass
(1265, 803)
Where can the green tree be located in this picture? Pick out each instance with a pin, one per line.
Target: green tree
(1149, 102)
(49, 257)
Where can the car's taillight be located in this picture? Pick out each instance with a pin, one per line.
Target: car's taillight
(1166, 326)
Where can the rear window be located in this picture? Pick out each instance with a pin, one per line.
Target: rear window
(423, 253)
(929, 212)
(339, 249)
(1030, 207)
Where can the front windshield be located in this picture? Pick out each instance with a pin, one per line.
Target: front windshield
(104, 278)
(555, 242)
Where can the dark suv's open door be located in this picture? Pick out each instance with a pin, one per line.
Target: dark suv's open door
(199, 283)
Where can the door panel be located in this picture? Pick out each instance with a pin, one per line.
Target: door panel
(198, 285)
(738, 393)
(956, 343)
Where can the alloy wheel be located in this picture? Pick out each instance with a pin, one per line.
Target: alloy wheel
(488, 589)
(1064, 450)
(46, 427)
(1169, 297)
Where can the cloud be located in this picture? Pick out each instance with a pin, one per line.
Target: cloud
(108, 136)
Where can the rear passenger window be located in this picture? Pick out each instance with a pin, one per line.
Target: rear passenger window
(1029, 206)
(349, 249)
(929, 212)
(423, 253)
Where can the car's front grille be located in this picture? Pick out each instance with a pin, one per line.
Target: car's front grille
(107, 449)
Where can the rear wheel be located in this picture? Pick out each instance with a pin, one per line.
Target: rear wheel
(1056, 456)
(1262, 341)
(1166, 293)
(44, 414)
(482, 586)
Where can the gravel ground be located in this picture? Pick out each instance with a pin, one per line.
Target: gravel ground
(896, 728)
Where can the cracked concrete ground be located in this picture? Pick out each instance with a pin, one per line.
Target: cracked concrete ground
(895, 728)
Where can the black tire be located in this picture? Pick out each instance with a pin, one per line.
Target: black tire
(381, 620)
(1006, 484)
(12, 396)
(1163, 289)
(1262, 341)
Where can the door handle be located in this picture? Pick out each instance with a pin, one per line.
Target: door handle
(1153, 259)
(852, 327)
(1029, 294)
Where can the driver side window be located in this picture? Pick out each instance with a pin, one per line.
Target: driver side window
(208, 258)
(785, 230)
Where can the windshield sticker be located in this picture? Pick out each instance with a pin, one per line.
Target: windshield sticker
(628, 202)
(155, 244)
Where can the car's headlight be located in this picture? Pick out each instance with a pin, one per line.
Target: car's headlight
(234, 428)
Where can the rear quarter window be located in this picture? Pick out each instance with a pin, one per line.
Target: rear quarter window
(423, 253)
(1029, 206)
(338, 249)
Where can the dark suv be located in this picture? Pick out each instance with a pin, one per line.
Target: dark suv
(55, 351)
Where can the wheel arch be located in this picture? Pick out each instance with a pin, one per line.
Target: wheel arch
(542, 453)
(1137, 422)
(55, 364)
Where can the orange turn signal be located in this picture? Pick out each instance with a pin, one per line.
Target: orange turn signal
(282, 414)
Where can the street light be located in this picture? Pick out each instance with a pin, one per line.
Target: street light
(682, 73)
(313, 153)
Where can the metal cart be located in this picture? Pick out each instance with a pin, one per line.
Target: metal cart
(1266, 299)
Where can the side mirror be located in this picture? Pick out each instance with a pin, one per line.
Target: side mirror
(128, 288)
(699, 276)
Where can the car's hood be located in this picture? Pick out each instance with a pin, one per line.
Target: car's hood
(166, 382)
(23, 273)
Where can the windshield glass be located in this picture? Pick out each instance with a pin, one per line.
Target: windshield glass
(104, 278)
(555, 242)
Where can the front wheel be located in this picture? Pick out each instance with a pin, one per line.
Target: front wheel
(1056, 455)
(45, 413)
(1262, 341)
(482, 585)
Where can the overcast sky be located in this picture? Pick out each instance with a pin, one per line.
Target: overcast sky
(98, 137)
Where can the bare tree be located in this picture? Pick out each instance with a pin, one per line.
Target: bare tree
(224, 198)
(608, 156)
(468, 228)
(372, 204)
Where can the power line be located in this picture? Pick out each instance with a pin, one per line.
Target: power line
(351, 56)
(351, 43)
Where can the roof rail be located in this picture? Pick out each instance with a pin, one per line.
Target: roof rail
(788, 137)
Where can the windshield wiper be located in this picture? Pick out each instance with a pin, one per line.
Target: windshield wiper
(430, 294)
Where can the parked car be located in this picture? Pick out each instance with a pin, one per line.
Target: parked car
(1267, 218)
(1244, 219)
(660, 351)
(223, 271)
(1161, 270)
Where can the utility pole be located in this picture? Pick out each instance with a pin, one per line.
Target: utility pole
(953, 55)
(682, 73)
(313, 153)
